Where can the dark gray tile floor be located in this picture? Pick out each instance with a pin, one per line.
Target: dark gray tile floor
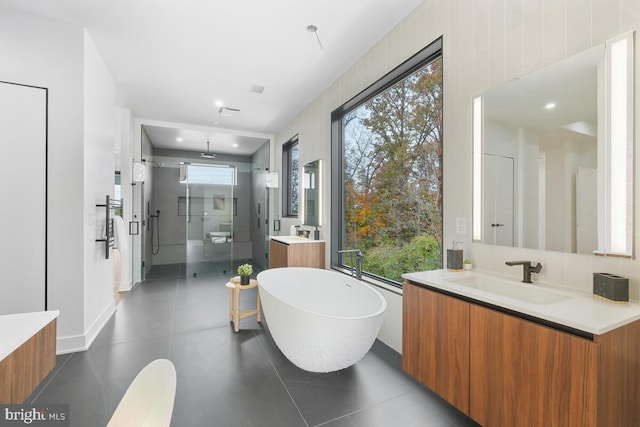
(230, 379)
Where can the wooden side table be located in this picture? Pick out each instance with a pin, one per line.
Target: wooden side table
(235, 314)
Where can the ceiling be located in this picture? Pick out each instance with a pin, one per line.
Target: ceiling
(177, 62)
(571, 85)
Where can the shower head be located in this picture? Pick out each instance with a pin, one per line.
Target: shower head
(207, 155)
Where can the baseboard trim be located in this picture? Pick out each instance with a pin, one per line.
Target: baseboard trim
(76, 343)
(126, 287)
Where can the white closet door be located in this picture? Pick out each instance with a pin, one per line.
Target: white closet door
(498, 200)
(23, 186)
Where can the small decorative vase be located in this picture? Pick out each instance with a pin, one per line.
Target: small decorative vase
(467, 266)
(244, 280)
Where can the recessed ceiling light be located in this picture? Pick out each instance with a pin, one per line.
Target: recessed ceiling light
(550, 106)
(235, 145)
(218, 103)
(179, 139)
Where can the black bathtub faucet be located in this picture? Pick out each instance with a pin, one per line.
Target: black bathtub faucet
(358, 265)
(527, 269)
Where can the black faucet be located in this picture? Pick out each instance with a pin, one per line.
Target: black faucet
(527, 269)
(359, 257)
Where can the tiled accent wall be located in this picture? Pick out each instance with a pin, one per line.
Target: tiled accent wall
(486, 42)
(511, 38)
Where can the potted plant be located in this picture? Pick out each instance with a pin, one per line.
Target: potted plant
(244, 271)
(467, 264)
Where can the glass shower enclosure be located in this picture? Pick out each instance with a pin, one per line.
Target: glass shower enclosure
(208, 207)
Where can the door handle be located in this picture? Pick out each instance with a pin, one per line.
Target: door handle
(497, 225)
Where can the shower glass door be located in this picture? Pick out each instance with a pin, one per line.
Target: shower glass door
(208, 208)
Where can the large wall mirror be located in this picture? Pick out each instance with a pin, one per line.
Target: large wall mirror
(553, 165)
(312, 193)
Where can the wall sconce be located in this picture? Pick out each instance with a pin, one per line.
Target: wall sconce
(272, 179)
(139, 171)
(309, 181)
(619, 147)
(477, 168)
(320, 195)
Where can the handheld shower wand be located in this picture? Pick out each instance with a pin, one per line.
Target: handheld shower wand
(157, 222)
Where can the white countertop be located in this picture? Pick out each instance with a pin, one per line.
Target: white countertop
(16, 329)
(581, 311)
(293, 239)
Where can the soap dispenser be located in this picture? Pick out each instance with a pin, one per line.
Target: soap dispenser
(454, 258)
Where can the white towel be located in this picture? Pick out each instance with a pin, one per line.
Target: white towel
(121, 234)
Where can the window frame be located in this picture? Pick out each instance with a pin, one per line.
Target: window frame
(287, 178)
(420, 59)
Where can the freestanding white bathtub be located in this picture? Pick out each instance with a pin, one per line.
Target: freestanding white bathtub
(321, 320)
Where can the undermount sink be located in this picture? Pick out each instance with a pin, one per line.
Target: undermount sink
(512, 289)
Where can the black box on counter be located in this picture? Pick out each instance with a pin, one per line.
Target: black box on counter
(454, 259)
(611, 287)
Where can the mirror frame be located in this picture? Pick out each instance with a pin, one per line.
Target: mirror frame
(617, 218)
(316, 164)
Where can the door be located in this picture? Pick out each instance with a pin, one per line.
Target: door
(23, 185)
(259, 216)
(210, 207)
(498, 200)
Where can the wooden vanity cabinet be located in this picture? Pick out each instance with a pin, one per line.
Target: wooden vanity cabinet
(435, 344)
(306, 254)
(24, 368)
(519, 372)
(524, 371)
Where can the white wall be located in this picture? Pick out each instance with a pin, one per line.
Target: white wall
(52, 54)
(99, 160)
(564, 152)
(485, 43)
(147, 189)
(124, 144)
(47, 53)
(530, 207)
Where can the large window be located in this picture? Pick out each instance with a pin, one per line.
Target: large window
(387, 170)
(290, 166)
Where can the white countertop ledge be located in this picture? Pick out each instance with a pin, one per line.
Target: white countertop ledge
(16, 329)
(293, 239)
(580, 311)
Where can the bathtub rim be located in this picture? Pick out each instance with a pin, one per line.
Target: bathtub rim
(378, 312)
